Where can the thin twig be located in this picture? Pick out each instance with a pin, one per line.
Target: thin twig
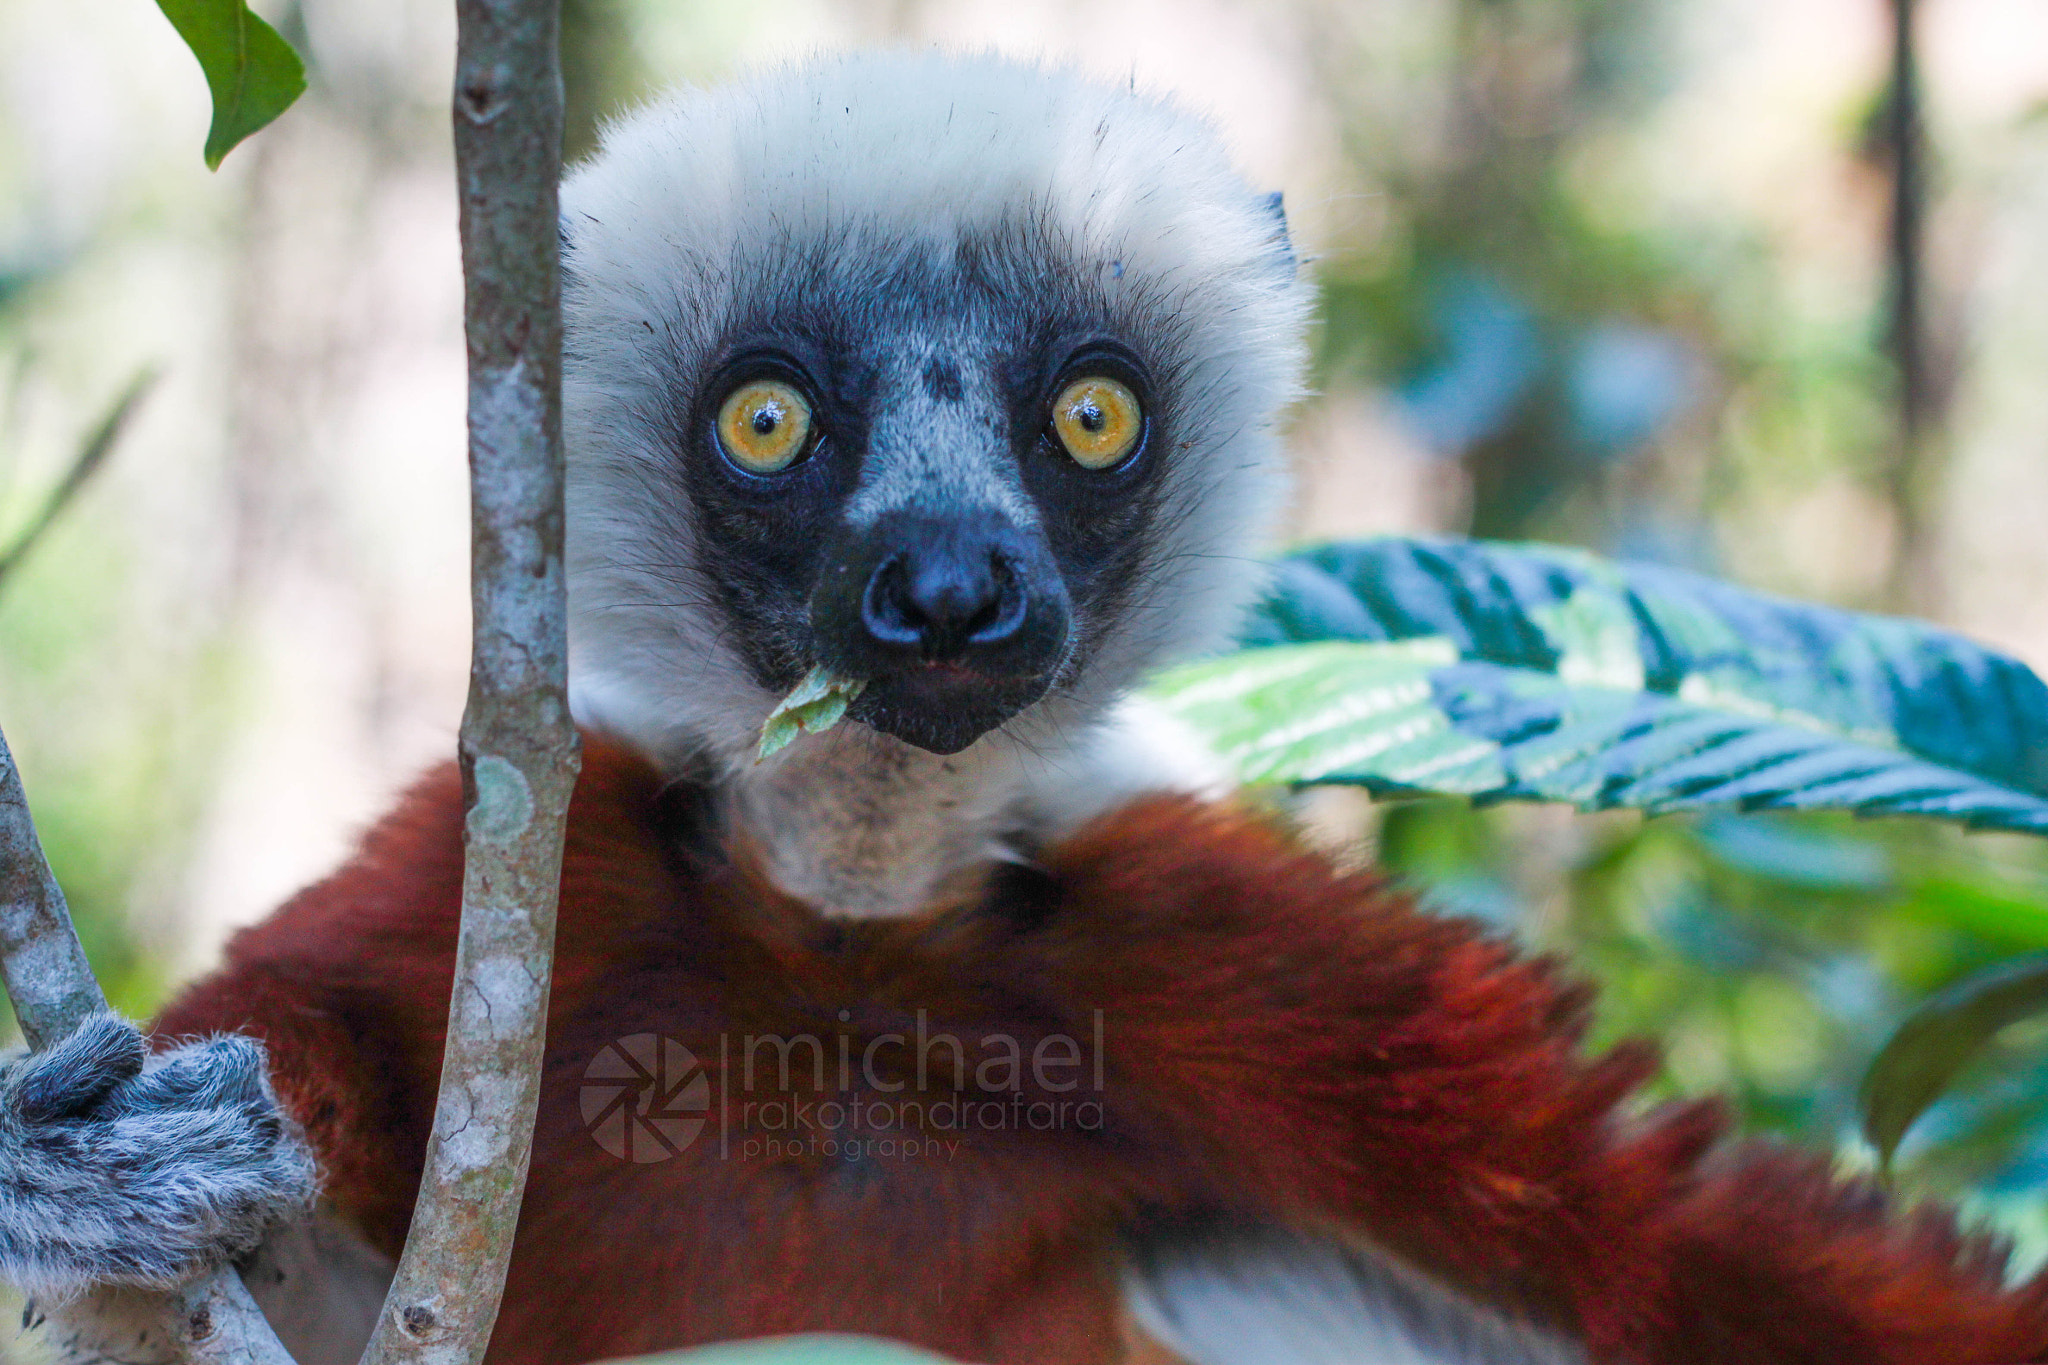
(53, 988)
(48, 978)
(519, 746)
(90, 457)
(1903, 228)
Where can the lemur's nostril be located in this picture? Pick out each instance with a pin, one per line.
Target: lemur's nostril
(1002, 616)
(885, 607)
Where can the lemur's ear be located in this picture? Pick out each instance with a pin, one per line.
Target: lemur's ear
(1276, 207)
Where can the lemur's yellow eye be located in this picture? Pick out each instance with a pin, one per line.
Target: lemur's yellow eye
(763, 425)
(1098, 420)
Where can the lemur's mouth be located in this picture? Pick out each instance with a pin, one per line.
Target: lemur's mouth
(943, 706)
(947, 673)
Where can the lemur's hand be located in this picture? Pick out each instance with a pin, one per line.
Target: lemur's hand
(117, 1167)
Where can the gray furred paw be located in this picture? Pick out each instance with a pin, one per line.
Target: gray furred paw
(117, 1167)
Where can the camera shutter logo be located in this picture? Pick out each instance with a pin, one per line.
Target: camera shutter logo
(644, 1098)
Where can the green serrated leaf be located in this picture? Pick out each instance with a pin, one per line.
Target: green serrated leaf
(1535, 673)
(1278, 714)
(1595, 638)
(815, 706)
(252, 73)
(1941, 1037)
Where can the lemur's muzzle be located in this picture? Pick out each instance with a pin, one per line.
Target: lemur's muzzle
(955, 622)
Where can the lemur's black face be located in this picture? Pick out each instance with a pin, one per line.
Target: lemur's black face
(941, 491)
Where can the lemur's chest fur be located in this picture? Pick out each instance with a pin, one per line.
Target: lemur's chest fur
(870, 827)
(862, 826)
(846, 1130)
(798, 1109)
(755, 1118)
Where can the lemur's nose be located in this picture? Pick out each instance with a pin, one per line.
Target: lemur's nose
(950, 589)
(972, 589)
(954, 621)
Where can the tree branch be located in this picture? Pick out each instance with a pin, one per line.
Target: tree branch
(48, 978)
(519, 746)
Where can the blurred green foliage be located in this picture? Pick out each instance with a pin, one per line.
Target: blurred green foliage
(1606, 370)
(1771, 955)
(106, 807)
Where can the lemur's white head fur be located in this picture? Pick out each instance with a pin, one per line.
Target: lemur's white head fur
(922, 244)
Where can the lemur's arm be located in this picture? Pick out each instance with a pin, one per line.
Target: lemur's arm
(1336, 1059)
(303, 1068)
(121, 1168)
(315, 1043)
(347, 986)
(334, 1010)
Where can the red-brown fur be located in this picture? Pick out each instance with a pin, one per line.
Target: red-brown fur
(1282, 1040)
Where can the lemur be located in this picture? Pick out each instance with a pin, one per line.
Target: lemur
(957, 378)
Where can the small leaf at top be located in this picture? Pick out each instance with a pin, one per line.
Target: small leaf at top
(252, 73)
(1938, 1039)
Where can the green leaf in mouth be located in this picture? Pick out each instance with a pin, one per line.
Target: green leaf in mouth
(813, 707)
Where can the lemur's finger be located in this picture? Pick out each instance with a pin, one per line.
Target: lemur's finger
(162, 1171)
(171, 1193)
(204, 1156)
(70, 1077)
(215, 1072)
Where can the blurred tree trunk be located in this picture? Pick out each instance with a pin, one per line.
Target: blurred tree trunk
(1914, 466)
